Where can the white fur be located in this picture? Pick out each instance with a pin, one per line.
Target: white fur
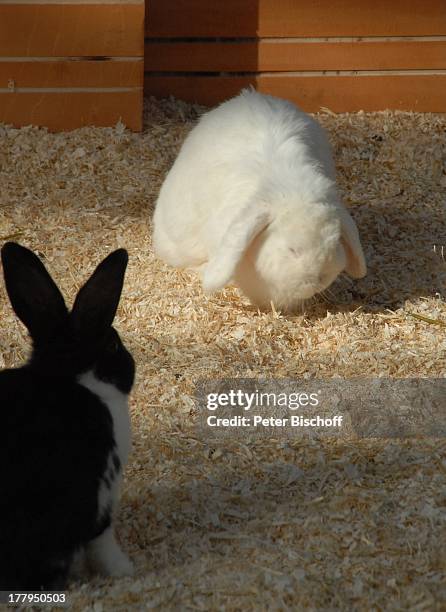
(104, 552)
(106, 557)
(117, 403)
(251, 198)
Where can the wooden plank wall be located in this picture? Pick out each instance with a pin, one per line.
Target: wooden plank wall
(345, 55)
(68, 64)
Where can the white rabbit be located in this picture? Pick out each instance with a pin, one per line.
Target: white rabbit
(252, 198)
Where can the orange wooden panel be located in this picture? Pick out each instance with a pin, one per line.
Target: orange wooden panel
(67, 111)
(72, 74)
(235, 18)
(52, 30)
(422, 93)
(274, 55)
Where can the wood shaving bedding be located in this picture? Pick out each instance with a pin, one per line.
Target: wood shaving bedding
(302, 524)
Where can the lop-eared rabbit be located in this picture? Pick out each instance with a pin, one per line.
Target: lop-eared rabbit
(65, 433)
(252, 198)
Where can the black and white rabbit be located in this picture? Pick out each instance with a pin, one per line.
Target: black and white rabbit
(65, 427)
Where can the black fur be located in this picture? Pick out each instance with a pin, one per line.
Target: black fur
(116, 462)
(56, 435)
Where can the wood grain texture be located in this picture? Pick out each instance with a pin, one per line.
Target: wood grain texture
(273, 55)
(265, 18)
(73, 2)
(71, 74)
(67, 111)
(421, 93)
(55, 30)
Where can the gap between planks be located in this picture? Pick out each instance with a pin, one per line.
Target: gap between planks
(72, 2)
(297, 39)
(6, 90)
(300, 73)
(73, 58)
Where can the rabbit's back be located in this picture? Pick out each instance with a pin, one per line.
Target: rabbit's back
(256, 128)
(56, 440)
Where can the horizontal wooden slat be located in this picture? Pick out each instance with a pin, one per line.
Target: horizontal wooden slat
(71, 30)
(70, 110)
(274, 55)
(71, 74)
(422, 93)
(74, 2)
(238, 18)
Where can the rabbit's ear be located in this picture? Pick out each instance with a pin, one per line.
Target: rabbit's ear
(34, 295)
(356, 266)
(247, 224)
(97, 301)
